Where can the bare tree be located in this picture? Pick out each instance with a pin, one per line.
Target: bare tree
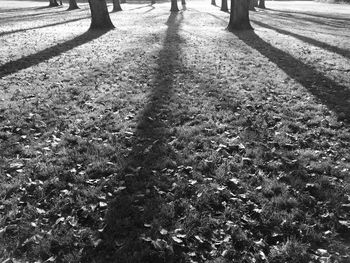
(253, 4)
(224, 6)
(73, 5)
(174, 7)
(262, 4)
(53, 3)
(116, 6)
(99, 15)
(239, 15)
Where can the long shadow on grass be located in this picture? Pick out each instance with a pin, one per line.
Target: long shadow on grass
(133, 218)
(34, 59)
(342, 52)
(43, 26)
(34, 16)
(330, 93)
(140, 7)
(13, 10)
(310, 14)
(325, 22)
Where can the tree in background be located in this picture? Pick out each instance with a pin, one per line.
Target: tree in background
(53, 3)
(99, 15)
(253, 4)
(262, 4)
(116, 6)
(213, 2)
(123, 1)
(183, 2)
(73, 5)
(174, 7)
(224, 6)
(239, 15)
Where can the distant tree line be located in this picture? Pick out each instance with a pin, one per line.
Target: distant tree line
(100, 19)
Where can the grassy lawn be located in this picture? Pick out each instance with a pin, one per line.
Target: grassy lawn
(170, 139)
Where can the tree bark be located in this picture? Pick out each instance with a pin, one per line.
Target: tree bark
(262, 4)
(213, 2)
(224, 6)
(252, 5)
(53, 3)
(174, 7)
(73, 5)
(183, 2)
(116, 6)
(239, 15)
(99, 15)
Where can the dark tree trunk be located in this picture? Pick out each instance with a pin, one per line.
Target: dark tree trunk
(123, 1)
(224, 6)
(73, 5)
(116, 6)
(53, 3)
(252, 5)
(174, 7)
(213, 2)
(99, 15)
(153, 2)
(183, 2)
(239, 15)
(262, 4)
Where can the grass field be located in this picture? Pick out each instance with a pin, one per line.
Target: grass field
(170, 139)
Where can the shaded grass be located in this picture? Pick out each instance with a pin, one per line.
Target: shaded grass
(175, 142)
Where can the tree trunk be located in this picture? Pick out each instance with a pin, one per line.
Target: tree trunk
(224, 6)
(183, 2)
(99, 15)
(53, 3)
(73, 5)
(239, 15)
(116, 6)
(252, 5)
(262, 4)
(174, 7)
(123, 1)
(213, 2)
(153, 2)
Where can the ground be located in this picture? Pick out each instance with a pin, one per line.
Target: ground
(172, 139)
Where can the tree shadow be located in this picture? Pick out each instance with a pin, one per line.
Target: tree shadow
(149, 10)
(127, 236)
(13, 10)
(340, 51)
(327, 91)
(320, 21)
(43, 26)
(34, 59)
(310, 14)
(140, 7)
(21, 17)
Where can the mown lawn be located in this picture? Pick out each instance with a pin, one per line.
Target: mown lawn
(170, 139)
